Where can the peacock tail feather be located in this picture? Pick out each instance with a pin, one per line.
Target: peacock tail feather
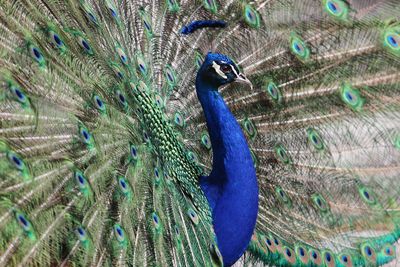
(102, 137)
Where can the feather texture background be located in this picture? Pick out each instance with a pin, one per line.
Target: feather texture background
(102, 137)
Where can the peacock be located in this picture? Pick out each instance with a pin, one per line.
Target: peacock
(199, 132)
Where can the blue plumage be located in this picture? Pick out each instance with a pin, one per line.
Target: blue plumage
(200, 24)
(231, 188)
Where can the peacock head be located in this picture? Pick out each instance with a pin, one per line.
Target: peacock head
(218, 69)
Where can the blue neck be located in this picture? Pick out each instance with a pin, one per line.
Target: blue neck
(231, 189)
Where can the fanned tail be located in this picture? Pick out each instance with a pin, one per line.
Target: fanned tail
(102, 138)
(322, 122)
(92, 170)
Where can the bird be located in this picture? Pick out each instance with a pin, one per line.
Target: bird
(199, 132)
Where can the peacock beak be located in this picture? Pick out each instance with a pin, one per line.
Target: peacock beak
(240, 78)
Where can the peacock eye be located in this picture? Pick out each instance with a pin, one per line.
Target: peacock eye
(225, 68)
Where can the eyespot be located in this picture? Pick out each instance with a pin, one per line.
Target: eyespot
(393, 40)
(17, 92)
(281, 194)
(368, 252)
(281, 154)
(337, 9)
(15, 160)
(351, 97)
(85, 45)
(274, 92)
(170, 76)
(192, 156)
(315, 139)
(113, 12)
(117, 71)
(193, 216)
(81, 234)
(147, 25)
(142, 68)
(119, 233)
(99, 104)
(159, 101)
(111, 8)
(302, 254)
(315, 257)
(141, 65)
(157, 176)
(346, 260)
(92, 17)
(176, 228)
(270, 244)
(146, 22)
(276, 243)
(320, 202)
(83, 184)
(156, 221)
(178, 119)
(121, 99)
(56, 40)
(81, 181)
(23, 222)
(216, 255)
(333, 7)
(329, 259)
(133, 151)
(367, 195)
(85, 135)
(123, 186)
(122, 183)
(289, 255)
(299, 48)
(251, 16)
(388, 250)
(36, 54)
(205, 140)
(89, 12)
(250, 128)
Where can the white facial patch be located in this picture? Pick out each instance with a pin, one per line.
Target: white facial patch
(234, 70)
(218, 70)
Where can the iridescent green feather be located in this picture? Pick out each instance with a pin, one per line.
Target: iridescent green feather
(103, 138)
